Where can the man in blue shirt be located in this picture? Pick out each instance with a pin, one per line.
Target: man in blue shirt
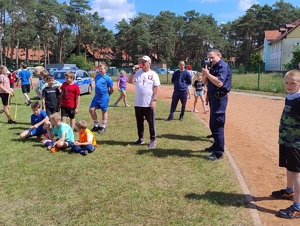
(218, 80)
(181, 80)
(26, 82)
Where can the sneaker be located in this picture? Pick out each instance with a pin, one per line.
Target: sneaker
(139, 141)
(180, 118)
(96, 128)
(29, 102)
(11, 121)
(115, 105)
(127, 105)
(195, 110)
(54, 149)
(205, 111)
(84, 153)
(152, 144)
(102, 130)
(213, 157)
(283, 194)
(289, 213)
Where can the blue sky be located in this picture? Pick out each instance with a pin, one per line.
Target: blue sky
(222, 10)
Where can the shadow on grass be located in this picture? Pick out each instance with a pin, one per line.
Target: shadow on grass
(232, 199)
(17, 126)
(184, 137)
(162, 153)
(115, 142)
(29, 139)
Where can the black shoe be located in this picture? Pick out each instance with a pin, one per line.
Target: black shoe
(96, 128)
(139, 141)
(11, 121)
(169, 119)
(283, 194)
(29, 102)
(180, 118)
(209, 149)
(213, 157)
(102, 130)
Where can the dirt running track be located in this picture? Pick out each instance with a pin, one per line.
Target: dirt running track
(251, 135)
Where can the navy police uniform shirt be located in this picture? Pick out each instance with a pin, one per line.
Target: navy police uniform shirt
(181, 80)
(222, 71)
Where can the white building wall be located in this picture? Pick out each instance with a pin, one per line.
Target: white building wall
(282, 53)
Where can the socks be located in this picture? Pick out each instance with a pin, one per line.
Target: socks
(289, 190)
(296, 205)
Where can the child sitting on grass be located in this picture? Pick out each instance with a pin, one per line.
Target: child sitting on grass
(64, 133)
(86, 142)
(38, 118)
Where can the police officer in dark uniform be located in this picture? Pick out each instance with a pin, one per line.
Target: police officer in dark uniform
(218, 80)
(181, 80)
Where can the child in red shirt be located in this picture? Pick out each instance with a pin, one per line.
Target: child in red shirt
(69, 99)
(12, 78)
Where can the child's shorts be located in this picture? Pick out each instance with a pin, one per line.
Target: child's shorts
(122, 89)
(289, 158)
(4, 98)
(198, 93)
(25, 88)
(67, 112)
(38, 131)
(100, 104)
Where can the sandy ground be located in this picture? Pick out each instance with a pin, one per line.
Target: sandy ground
(251, 136)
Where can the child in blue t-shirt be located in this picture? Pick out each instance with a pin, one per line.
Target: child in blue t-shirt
(38, 118)
(26, 82)
(103, 90)
(61, 130)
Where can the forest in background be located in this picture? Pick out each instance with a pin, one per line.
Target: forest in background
(60, 27)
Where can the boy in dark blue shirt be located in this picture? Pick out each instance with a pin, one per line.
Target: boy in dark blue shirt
(181, 80)
(51, 95)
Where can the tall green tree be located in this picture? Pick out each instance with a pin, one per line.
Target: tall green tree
(76, 17)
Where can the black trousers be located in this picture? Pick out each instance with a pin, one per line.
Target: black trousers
(142, 113)
(178, 95)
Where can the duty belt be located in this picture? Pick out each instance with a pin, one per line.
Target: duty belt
(217, 95)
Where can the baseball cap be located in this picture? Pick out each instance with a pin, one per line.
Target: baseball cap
(146, 58)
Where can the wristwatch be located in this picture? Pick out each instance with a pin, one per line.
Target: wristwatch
(154, 99)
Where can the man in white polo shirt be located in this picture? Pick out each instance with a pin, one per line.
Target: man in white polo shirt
(146, 87)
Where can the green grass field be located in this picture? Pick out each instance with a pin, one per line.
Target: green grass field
(118, 184)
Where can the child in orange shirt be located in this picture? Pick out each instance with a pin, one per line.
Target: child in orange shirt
(86, 142)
